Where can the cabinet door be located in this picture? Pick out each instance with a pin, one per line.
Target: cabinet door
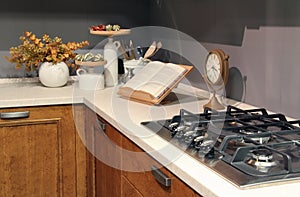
(108, 161)
(107, 143)
(30, 164)
(128, 190)
(39, 155)
(144, 180)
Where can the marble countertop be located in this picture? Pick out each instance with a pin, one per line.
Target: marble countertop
(126, 116)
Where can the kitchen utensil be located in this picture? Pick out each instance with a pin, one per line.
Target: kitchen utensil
(123, 51)
(150, 50)
(131, 54)
(139, 51)
(129, 74)
(158, 46)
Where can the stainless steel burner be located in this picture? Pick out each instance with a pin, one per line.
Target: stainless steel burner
(262, 155)
(262, 159)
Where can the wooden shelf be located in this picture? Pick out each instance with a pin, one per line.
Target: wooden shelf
(92, 64)
(111, 33)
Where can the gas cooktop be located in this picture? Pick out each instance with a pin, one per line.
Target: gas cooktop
(247, 147)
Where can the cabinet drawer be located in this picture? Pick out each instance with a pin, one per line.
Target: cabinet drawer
(140, 174)
(32, 114)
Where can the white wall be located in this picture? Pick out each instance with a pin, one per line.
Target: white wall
(270, 58)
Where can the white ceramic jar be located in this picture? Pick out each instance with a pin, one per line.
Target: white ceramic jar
(90, 81)
(111, 68)
(53, 75)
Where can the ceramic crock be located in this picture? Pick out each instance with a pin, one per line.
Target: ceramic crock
(53, 75)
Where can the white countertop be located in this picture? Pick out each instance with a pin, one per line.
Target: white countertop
(126, 116)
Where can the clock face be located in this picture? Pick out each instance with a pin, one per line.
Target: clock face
(213, 68)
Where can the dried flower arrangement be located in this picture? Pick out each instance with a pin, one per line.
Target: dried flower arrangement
(34, 51)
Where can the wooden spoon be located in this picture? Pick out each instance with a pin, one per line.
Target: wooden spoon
(150, 50)
(158, 46)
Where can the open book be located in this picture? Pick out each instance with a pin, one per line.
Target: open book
(154, 82)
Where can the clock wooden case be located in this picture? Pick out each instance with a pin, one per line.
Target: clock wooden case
(216, 71)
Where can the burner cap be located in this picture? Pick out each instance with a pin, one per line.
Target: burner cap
(262, 155)
(262, 160)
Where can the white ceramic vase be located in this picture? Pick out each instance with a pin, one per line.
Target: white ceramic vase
(53, 75)
(111, 68)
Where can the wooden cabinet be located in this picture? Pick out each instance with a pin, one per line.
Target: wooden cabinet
(121, 172)
(45, 155)
(42, 155)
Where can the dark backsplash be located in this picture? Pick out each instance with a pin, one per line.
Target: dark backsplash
(68, 19)
(223, 22)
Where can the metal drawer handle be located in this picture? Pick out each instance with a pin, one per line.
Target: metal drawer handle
(13, 115)
(102, 125)
(161, 177)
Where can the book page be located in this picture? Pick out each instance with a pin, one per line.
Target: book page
(156, 77)
(164, 79)
(149, 71)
